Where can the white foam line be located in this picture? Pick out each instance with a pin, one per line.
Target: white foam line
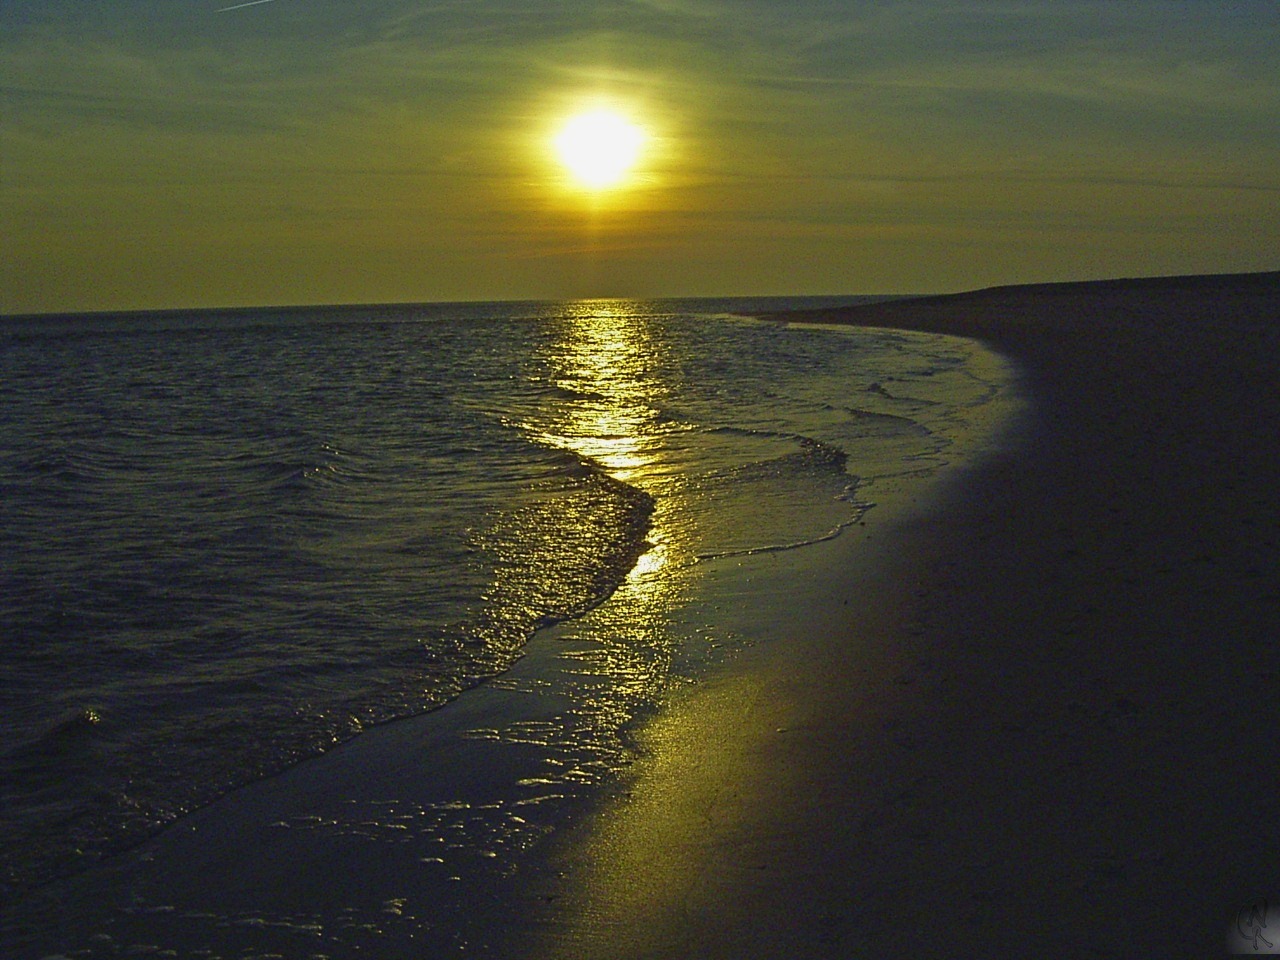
(251, 3)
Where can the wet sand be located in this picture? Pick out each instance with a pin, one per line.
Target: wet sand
(1036, 717)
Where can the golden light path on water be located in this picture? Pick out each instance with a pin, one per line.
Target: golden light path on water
(605, 359)
(603, 365)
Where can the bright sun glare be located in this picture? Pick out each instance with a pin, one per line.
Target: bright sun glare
(599, 148)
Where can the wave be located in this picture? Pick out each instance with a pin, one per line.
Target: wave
(319, 628)
(244, 544)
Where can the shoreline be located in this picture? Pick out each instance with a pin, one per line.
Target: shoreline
(431, 827)
(1028, 711)
(1040, 725)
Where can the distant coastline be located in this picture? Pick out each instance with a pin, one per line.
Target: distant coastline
(919, 312)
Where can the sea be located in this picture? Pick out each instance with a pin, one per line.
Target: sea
(233, 540)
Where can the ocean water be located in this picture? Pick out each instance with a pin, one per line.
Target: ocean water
(232, 540)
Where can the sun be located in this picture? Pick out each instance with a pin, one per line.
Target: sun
(599, 148)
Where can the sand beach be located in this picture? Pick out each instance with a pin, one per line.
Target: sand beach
(1039, 720)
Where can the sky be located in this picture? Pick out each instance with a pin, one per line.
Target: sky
(193, 153)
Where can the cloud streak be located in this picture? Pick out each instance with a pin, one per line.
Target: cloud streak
(238, 6)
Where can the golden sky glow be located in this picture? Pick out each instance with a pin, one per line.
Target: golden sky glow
(161, 155)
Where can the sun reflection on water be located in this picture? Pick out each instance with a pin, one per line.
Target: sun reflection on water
(604, 363)
(602, 397)
(609, 412)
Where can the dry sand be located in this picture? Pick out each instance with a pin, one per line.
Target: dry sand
(1038, 719)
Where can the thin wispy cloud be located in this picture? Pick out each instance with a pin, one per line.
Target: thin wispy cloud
(251, 3)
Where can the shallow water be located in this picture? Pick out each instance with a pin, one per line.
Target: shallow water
(235, 540)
